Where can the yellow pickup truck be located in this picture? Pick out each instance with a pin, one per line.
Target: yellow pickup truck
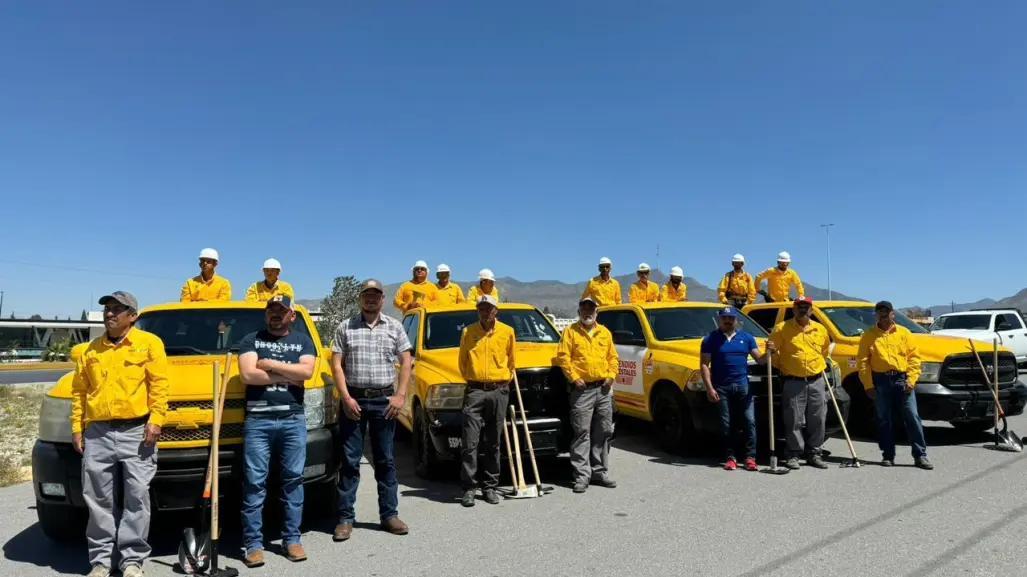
(195, 335)
(436, 395)
(659, 380)
(951, 387)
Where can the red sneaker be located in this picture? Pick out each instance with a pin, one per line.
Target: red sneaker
(730, 465)
(750, 464)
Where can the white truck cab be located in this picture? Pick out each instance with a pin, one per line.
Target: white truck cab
(986, 324)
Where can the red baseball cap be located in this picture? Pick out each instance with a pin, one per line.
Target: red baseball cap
(801, 300)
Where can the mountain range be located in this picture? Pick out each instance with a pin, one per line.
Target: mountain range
(1017, 301)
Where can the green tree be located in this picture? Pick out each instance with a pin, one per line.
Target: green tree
(85, 316)
(343, 302)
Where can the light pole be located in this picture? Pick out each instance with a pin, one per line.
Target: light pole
(827, 229)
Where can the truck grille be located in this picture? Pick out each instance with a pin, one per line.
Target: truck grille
(961, 371)
(207, 405)
(544, 392)
(228, 431)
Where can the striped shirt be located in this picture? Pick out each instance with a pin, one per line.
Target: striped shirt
(370, 353)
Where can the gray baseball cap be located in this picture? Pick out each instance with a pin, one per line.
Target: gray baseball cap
(371, 284)
(125, 298)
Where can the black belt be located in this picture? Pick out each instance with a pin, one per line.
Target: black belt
(808, 379)
(890, 373)
(598, 383)
(481, 385)
(359, 393)
(126, 423)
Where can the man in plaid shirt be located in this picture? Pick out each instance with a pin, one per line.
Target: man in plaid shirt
(364, 355)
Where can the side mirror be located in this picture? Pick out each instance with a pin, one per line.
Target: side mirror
(77, 350)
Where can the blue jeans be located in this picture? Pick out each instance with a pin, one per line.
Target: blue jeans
(372, 416)
(735, 404)
(891, 393)
(262, 436)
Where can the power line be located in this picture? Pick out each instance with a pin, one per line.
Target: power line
(90, 270)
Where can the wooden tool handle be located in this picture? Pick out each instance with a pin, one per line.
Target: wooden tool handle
(527, 432)
(987, 380)
(517, 449)
(218, 403)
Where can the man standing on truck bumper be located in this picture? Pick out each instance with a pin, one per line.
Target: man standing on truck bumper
(724, 357)
(364, 355)
(589, 361)
(889, 365)
(486, 361)
(802, 345)
(273, 363)
(119, 398)
(780, 280)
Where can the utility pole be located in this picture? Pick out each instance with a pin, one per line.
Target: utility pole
(1, 304)
(827, 229)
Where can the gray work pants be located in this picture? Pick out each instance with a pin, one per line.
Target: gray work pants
(106, 446)
(483, 410)
(592, 425)
(804, 403)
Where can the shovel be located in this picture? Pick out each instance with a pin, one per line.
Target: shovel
(1005, 440)
(774, 469)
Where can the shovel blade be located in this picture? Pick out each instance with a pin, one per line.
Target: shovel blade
(1008, 441)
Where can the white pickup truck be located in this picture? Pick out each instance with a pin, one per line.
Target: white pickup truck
(986, 324)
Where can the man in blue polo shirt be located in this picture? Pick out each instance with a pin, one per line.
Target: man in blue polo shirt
(724, 359)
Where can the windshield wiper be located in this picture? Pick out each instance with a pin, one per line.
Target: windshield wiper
(183, 349)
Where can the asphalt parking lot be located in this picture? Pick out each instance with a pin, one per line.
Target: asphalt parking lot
(668, 516)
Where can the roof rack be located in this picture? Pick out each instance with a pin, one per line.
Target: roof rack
(997, 309)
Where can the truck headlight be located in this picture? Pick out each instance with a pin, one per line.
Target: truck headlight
(694, 382)
(319, 407)
(443, 397)
(929, 372)
(55, 420)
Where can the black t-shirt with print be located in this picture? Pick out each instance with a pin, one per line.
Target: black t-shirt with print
(279, 398)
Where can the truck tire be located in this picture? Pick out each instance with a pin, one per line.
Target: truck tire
(427, 464)
(61, 523)
(671, 421)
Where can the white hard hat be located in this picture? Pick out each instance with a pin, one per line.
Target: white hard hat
(784, 257)
(486, 274)
(442, 268)
(209, 253)
(676, 271)
(420, 264)
(643, 267)
(738, 258)
(272, 263)
(605, 260)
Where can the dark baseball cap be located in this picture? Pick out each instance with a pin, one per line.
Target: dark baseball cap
(371, 284)
(727, 312)
(125, 298)
(883, 306)
(283, 300)
(588, 300)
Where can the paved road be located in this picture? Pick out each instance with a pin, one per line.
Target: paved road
(669, 516)
(40, 376)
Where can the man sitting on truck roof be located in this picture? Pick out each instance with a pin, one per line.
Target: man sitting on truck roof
(416, 292)
(486, 286)
(643, 291)
(779, 280)
(207, 286)
(675, 289)
(449, 292)
(604, 289)
(261, 291)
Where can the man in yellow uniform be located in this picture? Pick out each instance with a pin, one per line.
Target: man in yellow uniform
(675, 290)
(643, 291)
(603, 289)
(449, 293)
(736, 288)
(207, 286)
(588, 360)
(780, 280)
(486, 286)
(802, 347)
(119, 399)
(416, 292)
(889, 365)
(271, 286)
(487, 364)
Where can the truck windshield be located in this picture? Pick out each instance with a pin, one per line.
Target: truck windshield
(206, 331)
(680, 324)
(963, 322)
(852, 321)
(442, 330)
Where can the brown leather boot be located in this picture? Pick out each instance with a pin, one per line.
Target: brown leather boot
(342, 531)
(395, 526)
(295, 552)
(254, 559)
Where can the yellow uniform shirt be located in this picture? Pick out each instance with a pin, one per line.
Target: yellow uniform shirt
(451, 294)
(604, 292)
(411, 292)
(739, 283)
(669, 294)
(585, 354)
(892, 350)
(649, 293)
(487, 356)
(778, 283)
(120, 381)
(800, 351)
(475, 291)
(216, 289)
(258, 291)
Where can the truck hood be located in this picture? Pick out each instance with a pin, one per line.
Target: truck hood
(691, 347)
(446, 362)
(966, 333)
(935, 347)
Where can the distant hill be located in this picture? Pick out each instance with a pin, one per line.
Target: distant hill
(562, 298)
(1017, 301)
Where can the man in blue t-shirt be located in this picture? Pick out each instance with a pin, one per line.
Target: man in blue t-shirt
(274, 362)
(724, 358)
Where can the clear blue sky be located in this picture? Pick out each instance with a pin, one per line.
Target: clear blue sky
(530, 137)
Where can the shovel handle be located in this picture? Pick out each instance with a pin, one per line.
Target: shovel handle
(994, 393)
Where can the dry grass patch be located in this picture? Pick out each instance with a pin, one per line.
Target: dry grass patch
(19, 425)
